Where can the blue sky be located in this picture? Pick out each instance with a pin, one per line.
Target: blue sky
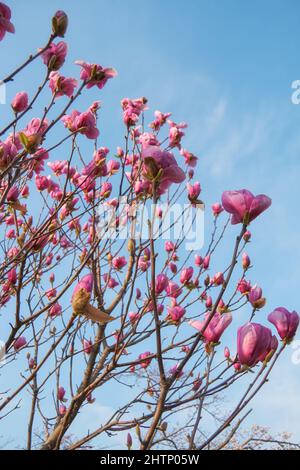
(225, 67)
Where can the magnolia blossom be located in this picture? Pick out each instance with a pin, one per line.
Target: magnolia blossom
(255, 297)
(285, 322)
(161, 283)
(176, 313)
(19, 343)
(20, 102)
(186, 275)
(145, 360)
(5, 24)
(244, 206)
(84, 123)
(215, 328)
(94, 74)
(155, 160)
(55, 56)
(61, 86)
(217, 208)
(254, 343)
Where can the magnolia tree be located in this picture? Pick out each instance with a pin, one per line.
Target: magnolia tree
(102, 299)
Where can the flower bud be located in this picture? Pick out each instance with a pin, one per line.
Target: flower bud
(60, 23)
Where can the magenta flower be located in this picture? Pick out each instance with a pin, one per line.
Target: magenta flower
(84, 123)
(173, 290)
(95, 75)
(119, 262)
(244, 206)
(217, 209)
(190, 158)
(193, 191)
(20, 102)
(87, 346)
(55, 310)
(285, 322)
(61, 86)
(215, 328)
(19, 343)
(186, 275)
(161, 283)
(245, 261)
(255, 297)
(254, 343)
(61, 394)
(5, 24)
(165, 161)
(176, 313)
(55, 56)
(145, 361)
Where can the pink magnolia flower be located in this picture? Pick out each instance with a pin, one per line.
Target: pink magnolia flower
(176, 313)
(50, 293)
(55, 310)
(5, 24)
(61, 86)
(186, 275)
(12, 276)
(198, 260)
(244, 206)
(217, 209)
(285, 322)
(155, 160)
(226, 353)
(145, 361)
(119, 262)
(190, 158)
(254, 343)
(42, 182)
(133, 316)
(55, 56)
(206, 262)
(208, 302)
(215, 328)
(13, 194)
(94, 74)
(19, 343)
(87, 346)
(112, 167)
(245, 261)
(84, 123)
(106, 189)
(62, 410)
(255, 297)
(159, 121)
(161, 283)
(193, 190)
(20, 102)
(61, 394)
(110, 281)
(173, 290)
(169, 246)
(176, 133)
(132, 108)
(218, 279)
